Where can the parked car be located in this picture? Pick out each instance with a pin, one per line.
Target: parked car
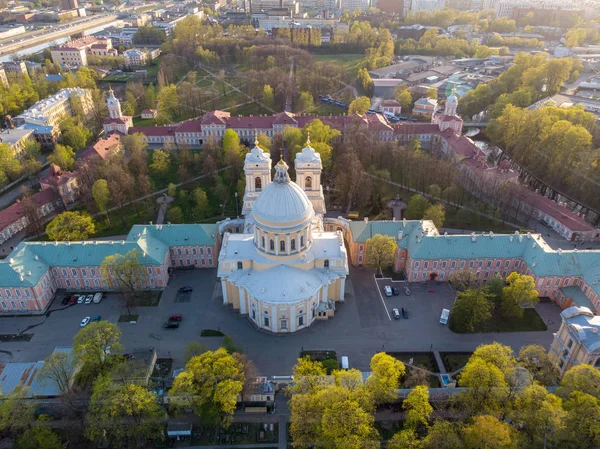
(73, 300)
(65, 300)
(80, 298)
(176, 317)
(395, 291)
(89, 298)
(396, 314)
(171, 325)
(388, 290)
(444, 317)
(98, 297)
(85, 321)
(185, 290)
(406, 291)
(97, 318)
(404, 313)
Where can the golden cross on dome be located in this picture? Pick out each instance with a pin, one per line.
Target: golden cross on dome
(308, 139)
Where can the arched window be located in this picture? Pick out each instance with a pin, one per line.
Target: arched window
(282, 246)
(263, 241)
(293, 245)
(272, 245)
(240, 266)
(257, 184)
(326, 263)
(301, 241)
(308, 183)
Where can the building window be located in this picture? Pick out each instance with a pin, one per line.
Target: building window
(8, 293)
(444, 264)
(266, 321)
(453, 265)
(3, 305)
(210, 261)
(417, 265)
(282, 246)
(301, 241)
(471, 264)
(257, 184)
(195, 262)
(300, 321)
(96, 283)
(240, 266)
(179, 251)
(308, 183)
(435, 264)
(64, 272)
(271, 245)
(566, 282)
(326, 263)
(293, 245)
(283, 325)
(194, 251)
(425, 265)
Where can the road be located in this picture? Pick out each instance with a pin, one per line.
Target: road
(39, 37)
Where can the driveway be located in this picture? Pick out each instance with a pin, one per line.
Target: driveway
(360, 328)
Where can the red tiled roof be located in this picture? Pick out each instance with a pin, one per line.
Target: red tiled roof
(154, 130)
(390, 103)
(416, 128)
(103, 148)
(284, 118)
(56, 177)
(189, 126)
(451, 118)
(118, 121)
(14, 212)
(215, 117)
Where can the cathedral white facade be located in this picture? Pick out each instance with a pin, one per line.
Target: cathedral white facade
(116, 121)
(283, 271)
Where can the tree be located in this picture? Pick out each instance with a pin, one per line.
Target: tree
(405, 439)
(584, 378)
(59, 368)
(442, 435)
(231, 346)
(488, 432)
(101, 195)
(38, 437)
(539, 415)
(74, 136)
(268, 97)
(63, 156)
(211, 383)
(385, 377)
(359, 106)
(71, 226)
(536, 360)
(471, 311)
(494, 287)
(403, 96)
(126, 415)
(416, 376)
(338, 430)
(95, 344)
(16, 412)
(174, 215)
(417, 407)
(193, 349)
(381, 251)
(432, 92)
(201, 208)
(168, 102)
(417, 205)
(306, 373)
(124, 273)
(463, 280)
(487, 388)
(161, 162)
(435, 213)
(581, 424)
(305, 102)
(520, 292)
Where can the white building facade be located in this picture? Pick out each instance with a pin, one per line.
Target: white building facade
(283, 271)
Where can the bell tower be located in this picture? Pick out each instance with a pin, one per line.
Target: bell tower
(257, 168)
(451, 104)
(308, 176)
(114, 105)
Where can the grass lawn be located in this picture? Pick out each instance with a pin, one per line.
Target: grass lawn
(423, 359)
(389, 273)
(250, 108)
(455, 360)
(139, 121)
(475, 222)
(530, 322)
(349, 61)
(127, 318)
(325, 109)
(204, 83)
(122, 220)
(150, 298)
(319, 356)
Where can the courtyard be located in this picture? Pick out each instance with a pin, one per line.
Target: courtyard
(360, 328)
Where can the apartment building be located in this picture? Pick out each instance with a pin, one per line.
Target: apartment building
(75, 53)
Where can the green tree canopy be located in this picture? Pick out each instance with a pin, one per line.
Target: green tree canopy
(63, 156)
(71, 226)
(94, 346)
(381, 251)
(124, 273)
(417, 205)
(435, 213)
(417, 407)
(385, 377)
(520, 292)
(488, 432)
(359, 105)
(471, 311)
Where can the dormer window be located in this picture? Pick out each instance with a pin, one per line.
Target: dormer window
(240, 265)
(257, 184)
(326, 263)
(308, 183)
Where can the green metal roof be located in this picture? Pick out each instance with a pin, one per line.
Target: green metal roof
(578, 297)
(178, 235)
(362, 231)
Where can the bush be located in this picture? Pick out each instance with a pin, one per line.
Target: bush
(330, 365)
(211, 333)
(231, 346)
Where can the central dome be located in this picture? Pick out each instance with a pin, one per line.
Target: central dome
(282, 201)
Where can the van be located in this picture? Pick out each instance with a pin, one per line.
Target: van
(345, 362)
(444, 317)
(388, 290)
(98, 297)
(353, 215)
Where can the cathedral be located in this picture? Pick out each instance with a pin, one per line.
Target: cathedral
(283, 271)
(116, 121)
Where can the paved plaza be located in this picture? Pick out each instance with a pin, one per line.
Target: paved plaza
(361, 326)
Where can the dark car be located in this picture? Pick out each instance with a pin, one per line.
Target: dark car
(176, 317)
(97, 318)
(185, 290)
(395, 291)
(65, 300)
(171, 325)
(404, 313)
(73, 300)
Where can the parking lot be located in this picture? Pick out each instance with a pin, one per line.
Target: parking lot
(360, 328)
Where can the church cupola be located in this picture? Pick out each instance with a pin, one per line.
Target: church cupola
(451, 104)
(114, 105)
(308, 167)
(257, 168)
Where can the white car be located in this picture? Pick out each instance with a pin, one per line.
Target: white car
(444, 317)
(80, 298)
(89, 298)
(396, 314)
(388, 290)
(85, 321)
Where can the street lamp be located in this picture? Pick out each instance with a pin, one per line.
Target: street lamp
(222, 209)
(236, 204)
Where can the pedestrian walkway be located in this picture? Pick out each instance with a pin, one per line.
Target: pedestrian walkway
(282, 432)
(164, 203)
(440, 362)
